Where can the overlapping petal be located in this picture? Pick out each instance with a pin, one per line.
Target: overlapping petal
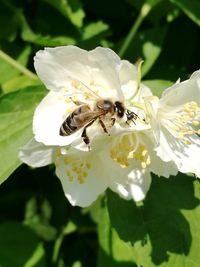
(122, 153)
(174, 119)
(182, 92)
(36, 154)
(48, 117)
(57, 67)
(186, 157)
(83, 178)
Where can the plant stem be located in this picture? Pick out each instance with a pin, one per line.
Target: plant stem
(57, 246)
(143, 13)
(17, 65)
(58, 243)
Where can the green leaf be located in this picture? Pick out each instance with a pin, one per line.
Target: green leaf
(171, 64)
(157, 86)
(20, 54)
(94, 29)
(164, 230)
(71, 9)
(39, 221)
(113, 251)
(93, 34)
(16, 110)
(146, 45)
(190, 7)
(28, 35)
(18, 82)
(8, 30)
(19, 246)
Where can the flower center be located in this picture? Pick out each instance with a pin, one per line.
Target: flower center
(75, 168)
(129, 148)
(78, 91)
(184, 122)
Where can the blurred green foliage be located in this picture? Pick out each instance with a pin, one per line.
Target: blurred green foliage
(38, 227)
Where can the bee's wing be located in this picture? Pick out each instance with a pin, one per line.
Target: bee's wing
(87, 90)
(84, 118)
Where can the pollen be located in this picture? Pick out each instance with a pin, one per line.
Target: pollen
(76, 169)
(87, 95)
(185, 122)
(143, 156)
(68, 100)
(69, 175)
(195, 123)
(121, 150)
(66, 160)
(88, 165)
(187, 142)
(127, 149)
(80, 179)
(75, 83)
(176, 128)
(192, 114)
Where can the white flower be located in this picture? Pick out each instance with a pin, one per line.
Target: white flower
(122, 160)
(175, 121)
(75, 75)
(122, 164)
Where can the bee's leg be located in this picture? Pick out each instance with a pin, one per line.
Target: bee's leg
(103, 126)
(128, 123)
(131, 116)
(84, 135)
(113, 121)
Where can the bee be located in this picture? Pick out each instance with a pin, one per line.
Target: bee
(83, 117)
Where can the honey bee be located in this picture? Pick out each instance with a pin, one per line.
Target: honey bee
(83, 117)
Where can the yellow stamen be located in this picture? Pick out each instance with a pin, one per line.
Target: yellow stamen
(187, 142)
(195, 123)
(75, 83)
(66, 160)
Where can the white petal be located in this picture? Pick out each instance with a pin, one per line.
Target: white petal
(117, 176)
(140, 182)
(186, 157)
(122, 190)
(128, 78)
(57, 66)
(129, 81)
(161, 168)
(104, 67)
(157, 166)
(48, 118)
(143, 92)
(127, 72)
(95, 182)
(36, 154)
(129, 183)
(183, 92)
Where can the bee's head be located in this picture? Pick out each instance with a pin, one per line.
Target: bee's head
(120, 110)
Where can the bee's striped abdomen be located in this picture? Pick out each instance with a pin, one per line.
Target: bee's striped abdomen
(67, 128)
